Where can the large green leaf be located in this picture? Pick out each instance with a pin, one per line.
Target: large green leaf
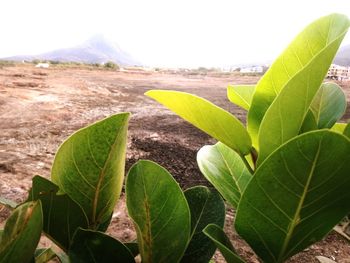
(206, 116)
(224, 169)
(89, 167)
(62, 216)
(296, 196)
(207, 207)
(285, 116)
(241, 95)
(21, 233)
(218, 236)
(321, 37)
(97, 247)
(329, 105)
(160, 213)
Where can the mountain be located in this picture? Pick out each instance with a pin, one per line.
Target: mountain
(343, 56)
(97, 49)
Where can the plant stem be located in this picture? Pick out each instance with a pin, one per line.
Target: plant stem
(254, 155)
(247, 164)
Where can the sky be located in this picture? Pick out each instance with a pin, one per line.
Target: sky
(178, 33)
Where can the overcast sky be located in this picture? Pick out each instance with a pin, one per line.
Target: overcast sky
(185, 33)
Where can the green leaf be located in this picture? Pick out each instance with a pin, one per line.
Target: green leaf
(62, 216)
(92, 246)
(286, 114)
(241, 95)
(224, 169)
(133, 247)
(207, 207)
(89, 167)
(309, 123)
(217, 235)
(21, 233)
(104, 225)
(160, 213)
(44, 255)
(338, 127)
(317, 45)
(328, 105)
(206, 116)
(347, 130)
(296, 196)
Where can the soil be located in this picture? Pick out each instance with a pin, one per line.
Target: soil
(39, 108)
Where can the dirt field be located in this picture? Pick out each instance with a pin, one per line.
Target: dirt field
(39, 108)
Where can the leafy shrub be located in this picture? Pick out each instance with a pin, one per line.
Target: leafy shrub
(55, 62)
(287, 173)
(6, 63)
(76, 207)
(111, 65)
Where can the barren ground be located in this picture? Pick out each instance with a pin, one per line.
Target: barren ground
(39, 108)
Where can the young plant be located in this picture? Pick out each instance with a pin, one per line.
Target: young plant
(287, 173)
(76, 208)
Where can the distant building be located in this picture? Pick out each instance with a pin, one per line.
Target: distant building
(338, 72)
(253, 69)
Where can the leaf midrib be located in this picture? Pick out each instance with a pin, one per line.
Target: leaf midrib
(296, 217)
(101, 177)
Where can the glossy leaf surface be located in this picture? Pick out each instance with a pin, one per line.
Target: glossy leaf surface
(160, 213)
(62, 216)
(320, 39)
(97, 247)
(296, 196)
(286, 114)
(21, 233)
(218, 236)
(89, 167)
(224, 169)
(207, 207)
(241, 95)
(206, 116)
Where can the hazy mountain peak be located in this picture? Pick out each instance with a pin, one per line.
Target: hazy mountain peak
(97, 49)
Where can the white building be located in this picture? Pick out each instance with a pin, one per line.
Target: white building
(338, 72)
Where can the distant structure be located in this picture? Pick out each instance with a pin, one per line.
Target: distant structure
(42, 65)
(338, 72)
(253, 69)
